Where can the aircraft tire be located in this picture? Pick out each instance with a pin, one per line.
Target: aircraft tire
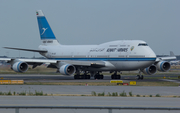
(87, 77)
(95, 77)
(141, 77)
(138, 77)
(82, 77)
(101, 76)
(118, 77)
(98, 76)
(112, 76)
(76, 76)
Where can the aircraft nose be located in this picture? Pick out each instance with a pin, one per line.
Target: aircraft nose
(152, 54)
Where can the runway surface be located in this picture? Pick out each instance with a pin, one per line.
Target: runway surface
(62, 78)
(87, 101)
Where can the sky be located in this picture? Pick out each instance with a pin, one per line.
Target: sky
(81, 22)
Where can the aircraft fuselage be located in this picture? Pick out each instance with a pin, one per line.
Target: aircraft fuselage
(118, 55)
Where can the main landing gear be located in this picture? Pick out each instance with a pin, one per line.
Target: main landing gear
(98, 76)
(86, 75)
(83, 76)
(140, 76)
(115, 76)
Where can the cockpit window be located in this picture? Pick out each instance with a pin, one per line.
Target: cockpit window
(143, 44)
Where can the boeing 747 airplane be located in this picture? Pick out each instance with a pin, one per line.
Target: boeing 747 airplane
(85, 61)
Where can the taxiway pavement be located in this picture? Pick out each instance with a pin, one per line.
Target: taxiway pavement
(87, 101)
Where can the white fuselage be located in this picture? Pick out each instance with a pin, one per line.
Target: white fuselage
(123, 55)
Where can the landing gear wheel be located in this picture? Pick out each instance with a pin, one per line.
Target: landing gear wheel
(76, 76)
(87, 77)
(95, 77)
(142, 77)
(138, 77)
(118, 76)
(101, 76)
(82, 77)
(114, 76)
(98, 76)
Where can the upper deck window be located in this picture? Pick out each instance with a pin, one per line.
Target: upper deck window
(143, 44)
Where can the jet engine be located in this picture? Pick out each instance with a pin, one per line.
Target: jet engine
(20, 66)
(163, 66)
(67, 69)
(150, 70)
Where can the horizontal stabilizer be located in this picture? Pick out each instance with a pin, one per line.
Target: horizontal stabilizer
(32, 50)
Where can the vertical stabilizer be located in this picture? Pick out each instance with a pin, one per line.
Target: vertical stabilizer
(171, 53)
(46, 34)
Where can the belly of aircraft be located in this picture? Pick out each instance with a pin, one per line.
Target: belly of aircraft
(124, 66)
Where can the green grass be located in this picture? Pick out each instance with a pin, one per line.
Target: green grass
(22, 93)
(158, 95)
(123, 94)
(9, 93)
(114, 94)
(137, 95)
(130, 94)
(101, 94)
(37, 93)
(93, 93)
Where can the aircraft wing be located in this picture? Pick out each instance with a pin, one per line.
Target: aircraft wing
(165, 58)
(32, 50)
(30, 60)
(168, 58)
(41, 61)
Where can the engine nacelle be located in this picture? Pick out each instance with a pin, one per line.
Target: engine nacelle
(67, 69)
(163, 66)
(150, 70)
(20, 66)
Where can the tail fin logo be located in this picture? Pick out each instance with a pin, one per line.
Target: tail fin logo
(44, 29)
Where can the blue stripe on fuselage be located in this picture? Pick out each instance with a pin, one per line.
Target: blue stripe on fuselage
(106, 59)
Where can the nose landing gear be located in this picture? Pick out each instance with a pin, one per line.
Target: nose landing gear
(140, 77)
